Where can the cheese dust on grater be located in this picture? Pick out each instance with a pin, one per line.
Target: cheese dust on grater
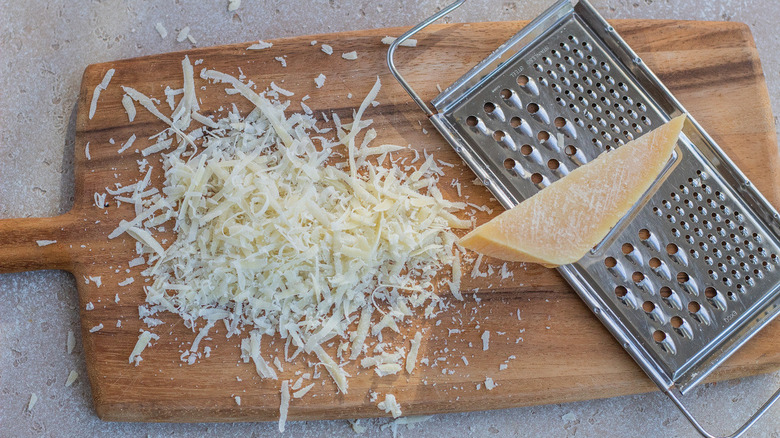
(286, 229)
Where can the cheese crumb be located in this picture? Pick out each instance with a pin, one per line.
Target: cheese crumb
(411, 359)
(238, 400)
(350, 55)
(327, 49)
(284, 406)
(183, 34)
(71, 342)
(45, 242)
(31, 403)
(486, 340)
(126, 281)
(319, 81)
(96, 328)
(161, 30)
(232, 6)
(260, 45)
(489, 384)
(390, 405)
(127, 103)
(410, 42)
(140, 345)
(96, 94)
(89, 306)
(71, 378)
(303, 391)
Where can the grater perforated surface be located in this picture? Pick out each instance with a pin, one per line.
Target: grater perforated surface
(693, 270)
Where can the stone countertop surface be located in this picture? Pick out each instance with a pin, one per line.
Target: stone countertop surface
(47, 45)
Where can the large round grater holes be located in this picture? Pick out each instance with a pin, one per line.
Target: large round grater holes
(676, 322)
(659, 336)
(522, 80)
(610, 262)
(509, 164)
(472, 121)
(621, 291)
(489, 107)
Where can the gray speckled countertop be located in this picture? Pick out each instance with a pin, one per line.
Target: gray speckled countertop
(47, 45)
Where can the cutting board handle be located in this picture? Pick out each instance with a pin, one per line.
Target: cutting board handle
(19, 248)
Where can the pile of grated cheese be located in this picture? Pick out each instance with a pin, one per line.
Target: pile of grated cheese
(284, 231)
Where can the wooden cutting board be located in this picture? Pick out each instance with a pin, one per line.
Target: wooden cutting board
(562, 352)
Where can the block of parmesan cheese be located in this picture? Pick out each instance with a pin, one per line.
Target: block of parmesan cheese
(561, 223)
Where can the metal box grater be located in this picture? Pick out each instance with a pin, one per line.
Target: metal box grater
(693, 270)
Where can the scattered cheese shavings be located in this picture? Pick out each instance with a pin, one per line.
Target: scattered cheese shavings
(319, 81)
(126, 281)
(89, 306)
(96, 328)
(303, 391)
(568, 417)
(281, 90)
(45, 242)
(127, 103)
(390, 405)
(485, 340)
(233, 5)
(71, 342)
(281, 60)
(183, 34)
(409, 42)
(31, 403)
(327, 49)
(72, 376)
(86, 152)
(350, 55)
(96, 94)
(284, 406)
(317, 245)
(356, 426)
(238, 400)
(260, 45)
(161, 30)
(140, 345)
(489, 384)
(98, 280)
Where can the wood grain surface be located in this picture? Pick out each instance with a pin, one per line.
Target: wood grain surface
(562, 352)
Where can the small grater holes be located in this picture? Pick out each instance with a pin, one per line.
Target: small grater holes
(587, 46)
(604, 66)
(731, 295)
(573, 39)
(565, 47)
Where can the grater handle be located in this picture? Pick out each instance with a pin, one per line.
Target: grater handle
(394, 45)
(760, 412)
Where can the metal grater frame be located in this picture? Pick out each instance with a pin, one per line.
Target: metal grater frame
(692, 272)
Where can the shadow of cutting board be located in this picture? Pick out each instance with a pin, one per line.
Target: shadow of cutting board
(561, 352)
